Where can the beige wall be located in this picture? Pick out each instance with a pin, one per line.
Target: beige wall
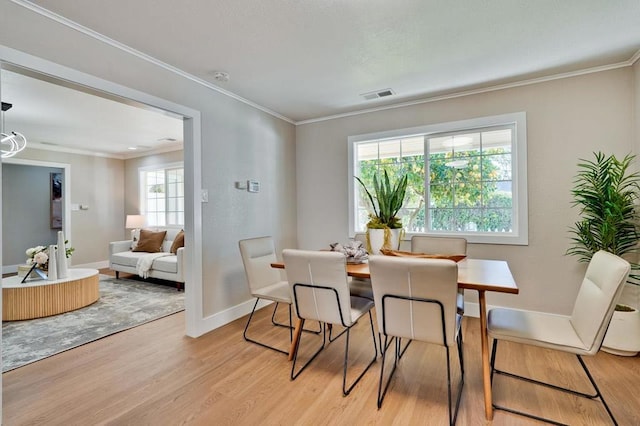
(239, 142)
(566, 120)
(99, 183)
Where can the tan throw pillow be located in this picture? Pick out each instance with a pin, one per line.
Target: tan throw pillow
(150, 241)
(178, 242)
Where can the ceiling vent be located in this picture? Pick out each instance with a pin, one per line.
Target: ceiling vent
(377, 94)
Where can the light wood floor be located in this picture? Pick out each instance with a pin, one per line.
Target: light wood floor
(154, 375)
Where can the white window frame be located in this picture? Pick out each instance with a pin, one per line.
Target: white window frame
(520, 231)
(142, 187)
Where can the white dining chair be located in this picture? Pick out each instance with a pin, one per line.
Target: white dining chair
(319, 286)
(445, 246)
(264, 282)
(415, 299)
(580, 333)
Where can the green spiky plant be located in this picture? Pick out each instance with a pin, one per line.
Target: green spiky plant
(606, 192)
(386, 203)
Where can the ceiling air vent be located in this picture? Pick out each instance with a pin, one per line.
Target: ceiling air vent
(377, 94)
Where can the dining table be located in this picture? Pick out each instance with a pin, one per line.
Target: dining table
(480, 275)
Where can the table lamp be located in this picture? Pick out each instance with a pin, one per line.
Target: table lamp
(135, 221)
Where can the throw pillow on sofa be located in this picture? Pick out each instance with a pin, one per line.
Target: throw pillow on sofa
(150, 241)
(178, 242)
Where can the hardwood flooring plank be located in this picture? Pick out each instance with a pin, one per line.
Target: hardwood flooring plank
(154, 375)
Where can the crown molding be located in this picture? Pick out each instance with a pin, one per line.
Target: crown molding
(635, 58)
(96, 35)
(454, 95)
(125, 156)
(87, 31)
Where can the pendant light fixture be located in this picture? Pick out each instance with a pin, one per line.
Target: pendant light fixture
(13, 142)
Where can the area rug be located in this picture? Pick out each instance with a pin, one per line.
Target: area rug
(123, 304)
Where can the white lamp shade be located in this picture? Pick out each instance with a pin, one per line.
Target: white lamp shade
(135, 221)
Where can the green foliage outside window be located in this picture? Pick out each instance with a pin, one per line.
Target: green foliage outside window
(475, 196)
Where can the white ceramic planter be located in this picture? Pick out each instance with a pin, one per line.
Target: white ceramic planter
(377, 240)
(623, 335)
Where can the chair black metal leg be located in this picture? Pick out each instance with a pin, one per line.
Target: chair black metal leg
(345, 390)
(494, 349)
(549, 385)
(460, 355)
(246, 327)
(333, 339)
(295, 374)
(402, 351)
(598, 394)
(382, 392)
(453, 413)
(290, 325)
(273, 317)
(397, 353)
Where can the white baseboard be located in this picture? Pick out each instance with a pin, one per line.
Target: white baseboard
(210, 323)
(214, 321)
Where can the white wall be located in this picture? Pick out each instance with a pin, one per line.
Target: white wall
(566, 120)
(239, 142)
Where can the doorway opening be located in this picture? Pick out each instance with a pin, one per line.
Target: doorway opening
(27, 65)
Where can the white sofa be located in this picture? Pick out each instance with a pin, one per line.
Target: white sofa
(171, 267)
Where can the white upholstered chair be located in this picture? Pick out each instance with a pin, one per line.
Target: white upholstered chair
(319, 287)
(416, 299)
(264, 281)
(441, 245)
(580, 333)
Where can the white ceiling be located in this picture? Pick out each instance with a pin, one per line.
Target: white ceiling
(307, 60)
(56, 117)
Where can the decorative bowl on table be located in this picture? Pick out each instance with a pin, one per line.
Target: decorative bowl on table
(354, 251)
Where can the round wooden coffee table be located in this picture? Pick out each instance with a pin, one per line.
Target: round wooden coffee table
(43, 298)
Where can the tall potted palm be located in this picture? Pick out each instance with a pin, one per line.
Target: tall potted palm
(607, 192)
(384, 227)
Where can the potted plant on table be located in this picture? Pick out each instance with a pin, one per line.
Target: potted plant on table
(384, 227)
(607, 192)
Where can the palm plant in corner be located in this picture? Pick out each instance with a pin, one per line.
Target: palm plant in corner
(607, 193)
(384, 227)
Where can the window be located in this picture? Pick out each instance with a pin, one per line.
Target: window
(465, 178)
(162, 195)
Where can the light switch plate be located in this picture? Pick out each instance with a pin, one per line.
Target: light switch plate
(253, 186)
